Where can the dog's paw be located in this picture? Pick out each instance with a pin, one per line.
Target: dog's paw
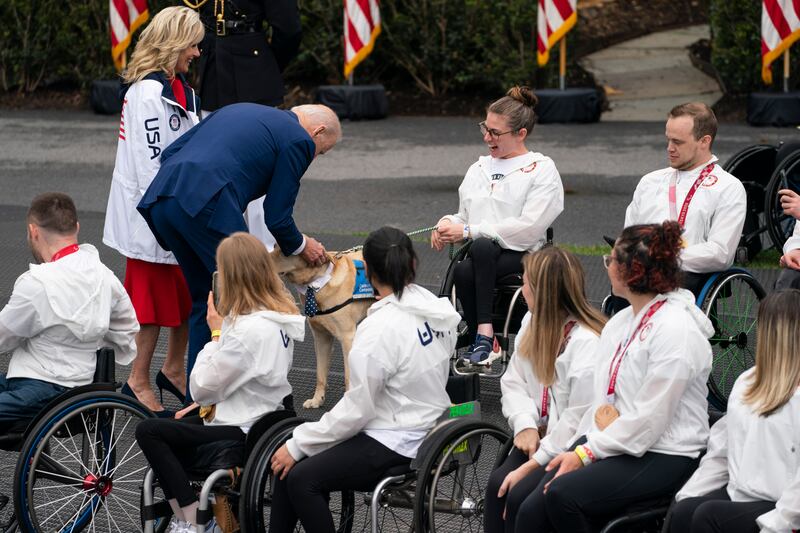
(314, 403)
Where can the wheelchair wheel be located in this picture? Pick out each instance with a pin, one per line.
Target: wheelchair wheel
(731, 304)
(786, 176)
(257, 484)
(80, 466)
(395, 510)
(452, 479)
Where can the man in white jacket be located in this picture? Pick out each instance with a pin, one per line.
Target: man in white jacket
(61, 311)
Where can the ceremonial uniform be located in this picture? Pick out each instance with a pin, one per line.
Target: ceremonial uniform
(526, 406)
(244, 375)
(239, 62)
(399, 364)
(653, 369)
(753, 461)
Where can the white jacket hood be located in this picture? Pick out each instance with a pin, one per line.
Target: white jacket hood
(80, 273)
(685, 298)
(293, 325)
(438, 312)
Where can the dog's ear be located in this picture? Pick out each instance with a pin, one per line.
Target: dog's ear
(282, 263)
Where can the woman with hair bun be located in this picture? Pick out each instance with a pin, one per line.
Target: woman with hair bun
(648, 420)
(158, 107)
(507, 201)
(749, 480)
(399, 364)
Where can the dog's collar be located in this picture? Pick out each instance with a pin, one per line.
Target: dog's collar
(318, 283)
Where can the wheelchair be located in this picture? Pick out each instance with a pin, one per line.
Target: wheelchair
(79, 465)
(441, 490)
(508, 309)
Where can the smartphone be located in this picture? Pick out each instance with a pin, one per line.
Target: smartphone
(214, 289)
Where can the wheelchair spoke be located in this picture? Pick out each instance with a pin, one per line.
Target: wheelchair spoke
(129, 474)
(111, 445)
(122, 507)
(61, 463)
(111, 520)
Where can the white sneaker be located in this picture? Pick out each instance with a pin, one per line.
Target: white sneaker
(177, 526)
(211, 527)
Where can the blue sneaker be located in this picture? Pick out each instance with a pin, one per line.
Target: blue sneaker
(481, 349)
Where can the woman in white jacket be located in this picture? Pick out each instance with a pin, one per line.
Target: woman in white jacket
(648, 422)
(507, 201)
(548, 384)
(158, 107)
(749, 480)
(398, 372)
(239, 376)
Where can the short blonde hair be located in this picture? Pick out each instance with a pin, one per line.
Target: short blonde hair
(777, 373)
(248, 280)
(556, 279)
(172, 30)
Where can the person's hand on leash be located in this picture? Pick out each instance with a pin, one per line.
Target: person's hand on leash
(790, 202)
(314, 252)
(451, 233)
(436, 241)
(282, 462)
(791, 259)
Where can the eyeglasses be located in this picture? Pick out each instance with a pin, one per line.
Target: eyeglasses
(494, 134)
(607, 260)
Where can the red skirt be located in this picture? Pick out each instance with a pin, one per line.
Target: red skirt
(158, 292)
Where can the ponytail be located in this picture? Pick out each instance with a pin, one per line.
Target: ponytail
(390, 259)
(518, 107)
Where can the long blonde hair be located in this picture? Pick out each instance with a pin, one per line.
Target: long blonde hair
(777, 373)
(172, 30)
(556, 279)
(248, 280)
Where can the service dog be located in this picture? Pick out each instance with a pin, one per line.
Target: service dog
(338, 310)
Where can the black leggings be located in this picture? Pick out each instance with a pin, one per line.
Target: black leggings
(475, 278)
(493, 506)
(355, 464)
(161, 440)
(715, 513)
(580, 500)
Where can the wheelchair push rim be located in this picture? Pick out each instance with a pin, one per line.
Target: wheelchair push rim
(779, 224)
(82, 467)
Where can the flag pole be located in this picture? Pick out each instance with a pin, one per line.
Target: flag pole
(562, 64)
(786, 71)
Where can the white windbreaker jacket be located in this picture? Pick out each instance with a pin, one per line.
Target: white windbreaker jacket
(151, 120)
(714, 219)
(60, 313)
(246, 373)
(570, 394)
(399, 364)
(757, 457)
(793, 242)
(514, 211)
(661, 385)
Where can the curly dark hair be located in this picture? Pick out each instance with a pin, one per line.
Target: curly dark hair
(648, 257)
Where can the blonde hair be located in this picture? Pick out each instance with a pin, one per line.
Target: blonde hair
(248, 280)
(777, 373)
(556, 279)
(172, 30)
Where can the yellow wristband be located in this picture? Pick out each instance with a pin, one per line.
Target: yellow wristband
(582, 455)
(216, 333)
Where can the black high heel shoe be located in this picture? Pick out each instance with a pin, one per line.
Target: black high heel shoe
(128, 391)
(163, 382)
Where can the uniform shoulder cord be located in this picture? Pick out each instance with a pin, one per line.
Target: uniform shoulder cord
(198, 5)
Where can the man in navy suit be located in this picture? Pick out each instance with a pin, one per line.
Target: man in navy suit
(209, 175)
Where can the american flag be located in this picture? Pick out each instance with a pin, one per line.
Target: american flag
(553, 20)
(780, 28)
(124, 17)
(362, 25)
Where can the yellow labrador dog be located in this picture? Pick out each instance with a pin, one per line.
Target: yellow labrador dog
(340, 305)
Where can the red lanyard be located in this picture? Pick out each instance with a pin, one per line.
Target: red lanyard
(546, 392)
(620, 353)
(689, 195)
(65, 251)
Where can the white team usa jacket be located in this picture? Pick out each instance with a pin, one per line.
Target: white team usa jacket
(398, 364)
(514, 211)
(570, 395)
(246, 373)
(714, 219)
(151, 120)
(757, 457)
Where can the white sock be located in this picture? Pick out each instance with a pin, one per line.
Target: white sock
(190, 512)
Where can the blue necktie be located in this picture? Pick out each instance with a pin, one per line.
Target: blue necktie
(311, 308)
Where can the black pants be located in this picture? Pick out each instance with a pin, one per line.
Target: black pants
(493, 506)
(475, 278)
(788, 279)
(161, 440)
(355, 464)
(579, 501)
(715, 513)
